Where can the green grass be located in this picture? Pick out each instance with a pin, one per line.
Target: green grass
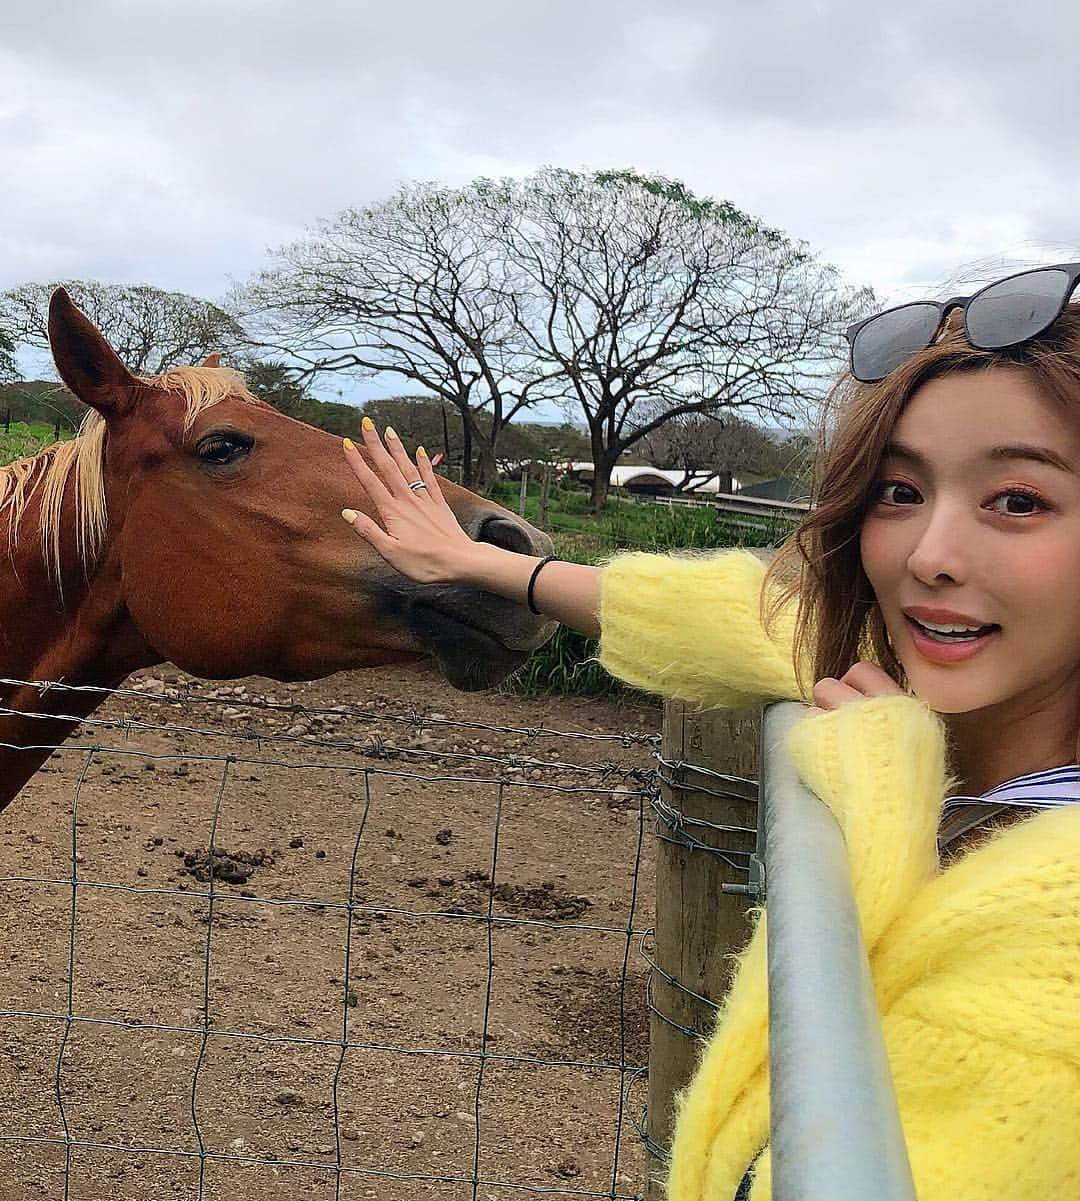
(627, 524)
(568, 664)
(23, 440)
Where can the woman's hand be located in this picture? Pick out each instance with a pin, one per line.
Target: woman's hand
(417, 533)
(858, 682)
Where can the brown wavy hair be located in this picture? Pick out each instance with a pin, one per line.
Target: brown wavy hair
(838, 620)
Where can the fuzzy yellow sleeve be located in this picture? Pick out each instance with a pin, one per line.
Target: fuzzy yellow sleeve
(690, 628)
(880, 766)
(978, 982)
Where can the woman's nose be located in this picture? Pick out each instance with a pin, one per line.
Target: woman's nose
(939, 554)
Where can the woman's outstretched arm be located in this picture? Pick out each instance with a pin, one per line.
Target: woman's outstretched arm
(677, 626)
(567, 592)
(418, 535)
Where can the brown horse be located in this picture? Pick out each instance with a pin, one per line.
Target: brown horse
(191, 522)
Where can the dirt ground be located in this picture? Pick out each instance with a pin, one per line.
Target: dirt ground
(485, 1059)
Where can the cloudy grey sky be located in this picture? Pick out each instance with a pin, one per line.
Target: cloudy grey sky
(172, 142)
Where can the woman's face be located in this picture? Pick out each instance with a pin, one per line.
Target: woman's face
(976, 523)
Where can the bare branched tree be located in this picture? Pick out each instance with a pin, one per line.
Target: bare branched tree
(625, 299)
(152, 330)
(656, 304)
(417, 287)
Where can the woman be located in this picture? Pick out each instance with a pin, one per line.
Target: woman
(930, 607)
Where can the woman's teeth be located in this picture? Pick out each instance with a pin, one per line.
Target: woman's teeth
(950, 633)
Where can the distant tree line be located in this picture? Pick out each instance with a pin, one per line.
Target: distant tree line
(662, 322)
(432, 423)
(703, 446)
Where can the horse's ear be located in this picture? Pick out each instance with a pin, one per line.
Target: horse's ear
(211, 360)
(86, 362)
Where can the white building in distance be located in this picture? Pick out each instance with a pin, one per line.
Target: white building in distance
(648, 478)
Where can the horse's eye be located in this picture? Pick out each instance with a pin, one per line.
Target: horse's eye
(221, 448)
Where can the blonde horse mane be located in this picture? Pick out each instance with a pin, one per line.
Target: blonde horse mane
(83, 459)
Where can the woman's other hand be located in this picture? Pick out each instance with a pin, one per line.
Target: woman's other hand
(857, 683)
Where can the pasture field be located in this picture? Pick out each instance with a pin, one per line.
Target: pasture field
(629, 524)
(24, 439)
(503, 1048)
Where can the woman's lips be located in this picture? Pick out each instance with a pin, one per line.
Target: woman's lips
(947, 652)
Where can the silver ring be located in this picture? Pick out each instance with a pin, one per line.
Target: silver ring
(416, 485)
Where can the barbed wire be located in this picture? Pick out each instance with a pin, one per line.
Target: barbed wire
(634, 785)
(420, 720)
(372, 747)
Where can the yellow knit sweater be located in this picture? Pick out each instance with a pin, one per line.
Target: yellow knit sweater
(976, 968)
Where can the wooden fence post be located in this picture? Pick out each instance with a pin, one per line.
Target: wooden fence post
(524, 490)
(698, 925)
(544, 519)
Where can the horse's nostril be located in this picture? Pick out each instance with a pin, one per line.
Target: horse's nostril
(501, 531)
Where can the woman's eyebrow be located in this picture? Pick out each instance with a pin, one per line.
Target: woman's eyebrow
(1016, 450)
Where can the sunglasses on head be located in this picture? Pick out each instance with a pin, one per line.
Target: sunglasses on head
(1005, 313)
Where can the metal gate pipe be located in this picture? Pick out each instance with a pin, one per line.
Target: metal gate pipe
(835, 1130)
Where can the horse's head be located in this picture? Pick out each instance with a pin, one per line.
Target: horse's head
(225, 539)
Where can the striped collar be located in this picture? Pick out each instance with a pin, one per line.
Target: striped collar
(1049, 789)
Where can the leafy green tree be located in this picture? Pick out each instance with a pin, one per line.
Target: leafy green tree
(275, 383)
(704, 446)
(429, 422)
(330, 415)
(8, 369)
(40, 401)
(544, 443)
(420, 421)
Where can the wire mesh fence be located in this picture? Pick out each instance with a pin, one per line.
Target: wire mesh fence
(275, 948)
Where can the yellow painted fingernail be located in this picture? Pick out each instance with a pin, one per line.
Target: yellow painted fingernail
(390, 432)
(350, 515)
(367, 424)
(348, 443)
(421, 453)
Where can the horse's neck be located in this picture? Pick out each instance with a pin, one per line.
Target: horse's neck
(77, 634)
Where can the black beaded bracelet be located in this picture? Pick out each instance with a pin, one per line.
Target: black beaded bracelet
(532, 583)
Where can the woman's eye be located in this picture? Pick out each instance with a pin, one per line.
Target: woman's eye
(219, 449)
(892, 492)
(1017, 504)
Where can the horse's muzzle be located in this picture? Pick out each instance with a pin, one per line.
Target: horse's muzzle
(476, 638)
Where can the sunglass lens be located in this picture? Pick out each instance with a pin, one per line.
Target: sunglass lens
(891, 339)
(1015, 309)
